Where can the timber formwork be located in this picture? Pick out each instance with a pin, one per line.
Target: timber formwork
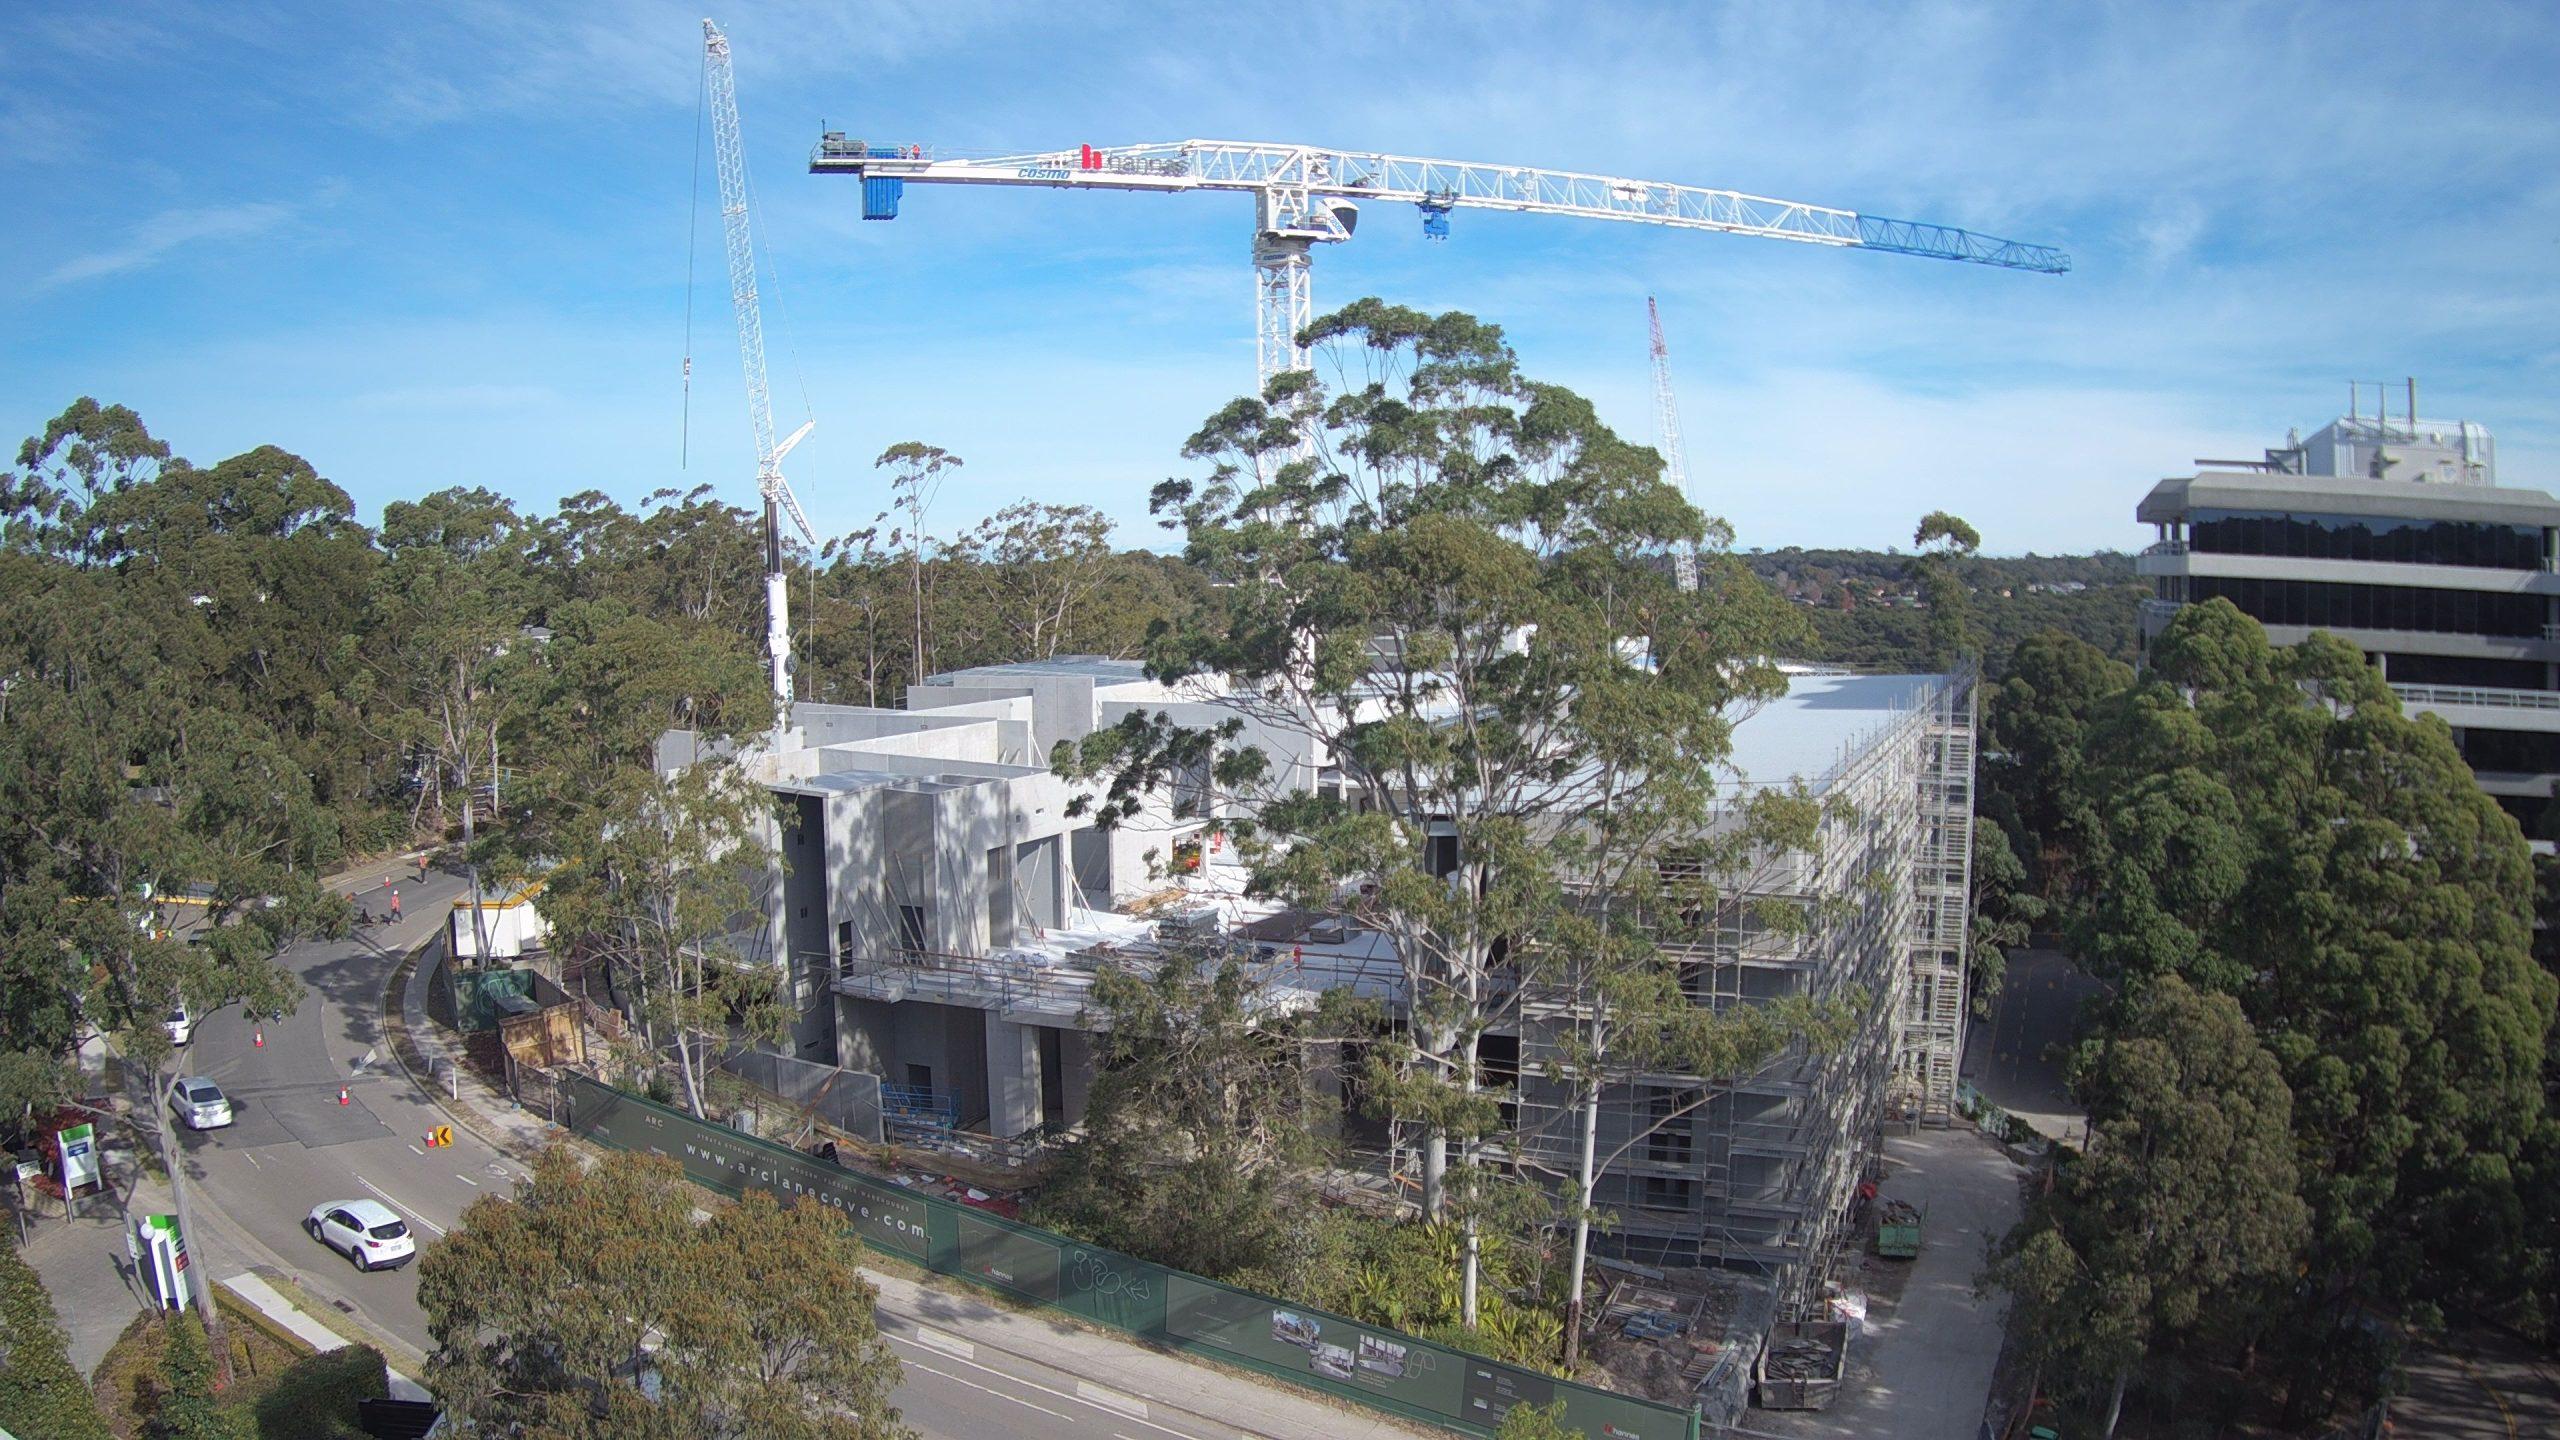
(1759, 1171)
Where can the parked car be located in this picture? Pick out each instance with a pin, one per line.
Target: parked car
(181, 1024)
(367, 1232)
(200, 1103)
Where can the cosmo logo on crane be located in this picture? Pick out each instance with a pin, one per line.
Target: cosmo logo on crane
(1305, 196)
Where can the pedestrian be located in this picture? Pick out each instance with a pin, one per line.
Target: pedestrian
(395, 907)
(422, 869)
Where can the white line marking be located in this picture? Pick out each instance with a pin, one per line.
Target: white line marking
(1110, 1399)
(252, 1159)
(414, 1150)
(933, 1339)
(385, 1197)
(974, 1385)
(1020, 1380)
(465, 1179)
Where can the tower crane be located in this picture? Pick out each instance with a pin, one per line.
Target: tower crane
(1306, 195)
(1666, 433)
(731, 158)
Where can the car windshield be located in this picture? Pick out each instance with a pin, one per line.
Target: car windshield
(177, 1017)
(203, 1092)
(391, 1231)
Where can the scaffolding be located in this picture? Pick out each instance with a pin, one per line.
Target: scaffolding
(1759, 1172)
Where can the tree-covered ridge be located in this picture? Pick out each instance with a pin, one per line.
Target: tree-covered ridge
(1871, 607)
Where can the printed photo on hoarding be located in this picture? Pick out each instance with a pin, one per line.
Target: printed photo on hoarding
(1383, 1357)
(1291, 1328)
(1331, 1361)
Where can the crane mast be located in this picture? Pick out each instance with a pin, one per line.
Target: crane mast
(1666, 433)
(731, 160)
(1305, 196)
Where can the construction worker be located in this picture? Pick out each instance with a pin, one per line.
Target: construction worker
(395, 907)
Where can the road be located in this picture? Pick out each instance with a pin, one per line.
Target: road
(2014, 1057)
(294, 1145)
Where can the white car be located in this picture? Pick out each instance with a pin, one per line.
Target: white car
(181, 1025)
(367, 1232)
(200, 1103)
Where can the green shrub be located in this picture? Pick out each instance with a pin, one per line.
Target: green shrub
(316, 1399)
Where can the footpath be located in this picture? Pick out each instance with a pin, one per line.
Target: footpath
(953, 1320)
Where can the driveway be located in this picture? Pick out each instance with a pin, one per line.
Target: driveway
(1922, 1369)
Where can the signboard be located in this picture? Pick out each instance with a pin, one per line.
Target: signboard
(883, 1214)
(1024, 1264)
(1285, 1337)
(79, 1147)
(163, 1260)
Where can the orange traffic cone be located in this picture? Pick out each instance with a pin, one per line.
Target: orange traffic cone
(343, 1097)
(258, 1039)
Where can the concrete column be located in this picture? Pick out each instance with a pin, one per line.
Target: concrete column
(1013, 1077)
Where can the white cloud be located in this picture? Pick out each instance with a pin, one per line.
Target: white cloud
(169, 233)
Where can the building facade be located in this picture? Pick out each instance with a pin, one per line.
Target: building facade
(945, 913)
(2395, 537)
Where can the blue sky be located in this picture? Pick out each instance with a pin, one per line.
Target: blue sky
(451, 248)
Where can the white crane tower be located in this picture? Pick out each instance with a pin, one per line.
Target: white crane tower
(1305, 196)
(1675, 457)
(731, 157)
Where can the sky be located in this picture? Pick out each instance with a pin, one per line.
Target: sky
(460, 244)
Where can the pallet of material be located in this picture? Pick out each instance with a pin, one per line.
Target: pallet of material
(1801, 1366)
(1898, 1230)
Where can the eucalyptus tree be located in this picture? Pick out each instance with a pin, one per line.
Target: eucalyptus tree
(1446, 585)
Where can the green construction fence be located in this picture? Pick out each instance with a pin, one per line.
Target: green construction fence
(1385, 1370)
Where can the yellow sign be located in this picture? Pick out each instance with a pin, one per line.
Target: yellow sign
(440, 1136)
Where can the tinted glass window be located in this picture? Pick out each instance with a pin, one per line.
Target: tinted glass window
(392, 1231)
(2324, 606)
(2309, 536)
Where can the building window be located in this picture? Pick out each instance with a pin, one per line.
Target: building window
(1669, 1192)
(2306, 536)
(844, 937)
(1669, 1112)
(2319, 605)
(911, 927)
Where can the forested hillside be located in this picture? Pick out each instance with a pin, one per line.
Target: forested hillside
(1867, 608)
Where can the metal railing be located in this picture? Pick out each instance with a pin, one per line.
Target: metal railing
(2487, 699)
(967, 979)
(2165, 547)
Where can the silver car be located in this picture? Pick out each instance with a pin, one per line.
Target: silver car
(200, 1103)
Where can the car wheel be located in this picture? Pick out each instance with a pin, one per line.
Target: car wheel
(357, 1255)
(311, 1228)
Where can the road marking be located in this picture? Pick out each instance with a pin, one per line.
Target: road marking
(953, 1345)
(465, 1179)
(990, 1390)
(252, 1159)
(414, 1150)
(1024, 1380)
(385, 1197)
(1110, 1399)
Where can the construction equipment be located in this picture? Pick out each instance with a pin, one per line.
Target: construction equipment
(731, 157)
(1898, 1231)
(1307, 195)
(1675, 459)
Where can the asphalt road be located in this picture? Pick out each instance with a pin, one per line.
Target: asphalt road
(295, 1145)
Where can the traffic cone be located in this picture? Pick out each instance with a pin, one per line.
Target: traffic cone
(258, 1039)
(343, 1097)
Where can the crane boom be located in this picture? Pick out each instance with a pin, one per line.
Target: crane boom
(1675, 457)
(730, 156)
(1440, 184)
(1307, 195)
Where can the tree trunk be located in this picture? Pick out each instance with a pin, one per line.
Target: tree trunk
(2115, 1403)
(1583, 1178)
(198, 1280)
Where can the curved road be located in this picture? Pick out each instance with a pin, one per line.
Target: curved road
(294, 1145)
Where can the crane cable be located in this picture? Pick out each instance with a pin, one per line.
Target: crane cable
(692, 238)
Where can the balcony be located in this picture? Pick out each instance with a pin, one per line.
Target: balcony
(2165, 547)
(2439, 696)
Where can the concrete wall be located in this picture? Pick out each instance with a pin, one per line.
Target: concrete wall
(947, 1040)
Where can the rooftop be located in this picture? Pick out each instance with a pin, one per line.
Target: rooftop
(1822, 721)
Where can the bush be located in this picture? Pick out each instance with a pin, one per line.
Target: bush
(316, 1398)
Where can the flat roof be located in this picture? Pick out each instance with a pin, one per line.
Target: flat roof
(1821, 720)
(1095, 667)
(2171, 499)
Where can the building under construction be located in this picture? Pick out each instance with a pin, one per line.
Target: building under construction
(945, 916)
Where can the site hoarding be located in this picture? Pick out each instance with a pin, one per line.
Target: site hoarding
(1383, 1369)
